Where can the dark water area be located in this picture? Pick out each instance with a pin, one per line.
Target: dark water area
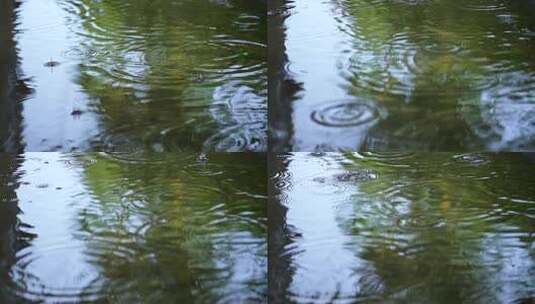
(402, 228)
(409, 75)
(142, 75)
(120, 228)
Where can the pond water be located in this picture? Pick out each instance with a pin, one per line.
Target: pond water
(412, 75)
(138, 75)
(402, 228)
(118, 228)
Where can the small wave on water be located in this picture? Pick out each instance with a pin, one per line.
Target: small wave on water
(416, 63)
(484, 5)
(388, 217)
(134, 227)
(132, 76)
(346, 114)
(242, 117)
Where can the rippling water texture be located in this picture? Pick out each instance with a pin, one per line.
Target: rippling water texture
(395, 228)
(129, 229)
(83, 75)
(411, 75)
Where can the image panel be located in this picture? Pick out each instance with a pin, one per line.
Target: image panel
(366, 75)
(137, 75)
(402, 228)
(112, 228)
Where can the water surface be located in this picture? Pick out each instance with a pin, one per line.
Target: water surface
(395, 228)
(118, 228)
(134, 75)
(416, 75)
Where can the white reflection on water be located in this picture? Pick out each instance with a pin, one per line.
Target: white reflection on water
(315, 48)
(402, 228)
(48, 123)
(89, 225)
(324, 263)
(46, 199)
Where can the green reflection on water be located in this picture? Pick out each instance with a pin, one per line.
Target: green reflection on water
(407, 75)
(161, 228)
(409, 228)
(177, 74)
(448, 228)
(136, 75)
(171, 69)
(448, 85)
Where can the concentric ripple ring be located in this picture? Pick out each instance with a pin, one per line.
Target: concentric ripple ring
(345, 114)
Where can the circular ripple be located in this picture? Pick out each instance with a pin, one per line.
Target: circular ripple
(420, 221)
(484, 5)
(473, 159)
(345, 114)
(82, 282)
(238, 138)
(442, 48)
(282, 180)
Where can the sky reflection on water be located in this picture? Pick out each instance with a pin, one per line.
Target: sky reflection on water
(116, 228)
(404, 228)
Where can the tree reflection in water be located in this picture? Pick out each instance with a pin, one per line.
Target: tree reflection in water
(133, 75)
(406, 75)
(414, 228)
(157, 228)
